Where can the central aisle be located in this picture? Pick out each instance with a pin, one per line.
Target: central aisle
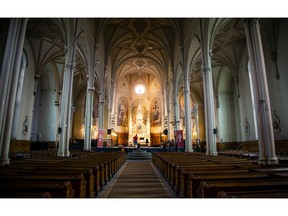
(137, 179)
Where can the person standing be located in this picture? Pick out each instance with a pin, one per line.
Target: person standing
(135, 140)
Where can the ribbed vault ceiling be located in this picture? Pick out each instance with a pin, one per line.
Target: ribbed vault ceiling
(139, 45)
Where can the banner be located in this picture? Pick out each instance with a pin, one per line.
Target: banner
(100, 138)
(179, 138)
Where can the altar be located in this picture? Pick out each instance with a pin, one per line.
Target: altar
(141, 126)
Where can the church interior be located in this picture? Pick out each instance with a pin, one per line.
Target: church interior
(205, 97)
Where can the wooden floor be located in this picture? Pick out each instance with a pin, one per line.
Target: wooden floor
(137, 179)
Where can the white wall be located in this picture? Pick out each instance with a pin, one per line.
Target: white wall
(245, 103)
(278, 88)
(226, 117)
(27, 99)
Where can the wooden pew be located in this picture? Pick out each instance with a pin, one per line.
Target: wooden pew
(182, 171)
(77, 181)
(56, 189)
(182, 178)
(194, 180)
(254, 194)
(25, 195)
(86, 172)
(210, 189)
(92, 173)
(103, 165)
(98, 172)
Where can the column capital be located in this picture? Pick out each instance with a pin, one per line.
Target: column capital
(186, 91)
(71, 65)
(90, 89)
(37, 76)
(205, 69)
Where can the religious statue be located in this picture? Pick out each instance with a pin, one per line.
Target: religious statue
(247, 128)
(276, 124)
(25, 126)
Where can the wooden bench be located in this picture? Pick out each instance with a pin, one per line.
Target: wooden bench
(98, 172)
(97, 169)
(25, 195)
(194, 180)
(56, 189)
(77, 181)
(92, 173)
(181, 170)
(86, 172)
(254, 194)
(182, 177)
(210, 189)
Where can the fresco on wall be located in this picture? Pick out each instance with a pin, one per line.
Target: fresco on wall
(155, 85)
(122, 112)
(123, 85)
(156, 112)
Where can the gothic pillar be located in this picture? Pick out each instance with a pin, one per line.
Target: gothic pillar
(88, 118)
(66, 108)
(101, 114)
(67, 90)
(8, 83)
(130, 122)
(188, 138)
(267, 154)
(209, 104)
(176, 111)
(168, 124)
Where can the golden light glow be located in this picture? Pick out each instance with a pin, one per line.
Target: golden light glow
(94, 131)
(83, 131)
(114, 134)
(194, 133)
(140, 89)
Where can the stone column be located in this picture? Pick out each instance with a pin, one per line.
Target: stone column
(88, 117)
(67, 89)
(267, 154)
(176, 122)
(209, 104)
(130, 124)
(65, 118)
(101, 114)
(187, 108)
(9, 81)
(176, 111)
(148, 125)
(169, 124)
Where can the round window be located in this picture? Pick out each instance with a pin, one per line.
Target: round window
(140, 89)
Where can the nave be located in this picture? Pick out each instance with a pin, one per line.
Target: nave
(167, 175)
(137, 179)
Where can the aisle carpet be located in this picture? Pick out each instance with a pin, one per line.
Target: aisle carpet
(137, 179)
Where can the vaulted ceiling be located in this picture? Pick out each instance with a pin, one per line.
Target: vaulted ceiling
(137, 45)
